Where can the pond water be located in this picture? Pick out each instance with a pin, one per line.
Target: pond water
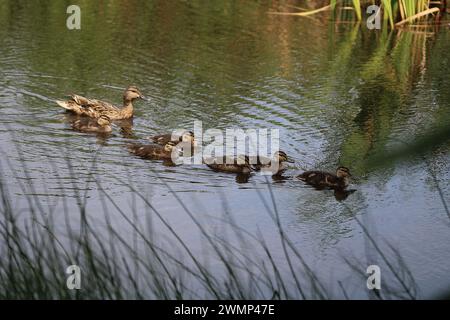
(339, 94)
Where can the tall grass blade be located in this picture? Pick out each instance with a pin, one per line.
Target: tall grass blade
(357, 5)
(417, 16)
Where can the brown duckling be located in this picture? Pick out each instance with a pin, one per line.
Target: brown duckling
(275, 166)
(187, 137)
(95, 108)
(240, 164)
(153, 151)
(100, 125)
(321, 179)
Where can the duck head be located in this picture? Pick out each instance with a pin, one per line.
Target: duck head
(132, 93)
(344, 173)
(281, 156)
(188, 137)
(169, 146)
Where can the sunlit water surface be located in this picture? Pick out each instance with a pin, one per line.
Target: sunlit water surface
(338, 95)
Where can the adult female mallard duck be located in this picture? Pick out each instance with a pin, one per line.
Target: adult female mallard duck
(275, 166)
(321, 180)
(100, 125)
(153, 151)
(240, 164)
(95, 108)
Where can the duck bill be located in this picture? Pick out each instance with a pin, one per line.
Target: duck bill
(290, 160)
(144, 98)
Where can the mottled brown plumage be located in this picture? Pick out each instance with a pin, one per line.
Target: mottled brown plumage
(100, 125)
(322, 180)
(239, 164)
(187, 137)
(95, 108)
(153, 151)
(276, 165)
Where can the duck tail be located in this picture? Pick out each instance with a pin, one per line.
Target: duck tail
(302, 176)
(70, 106)
(64, 104)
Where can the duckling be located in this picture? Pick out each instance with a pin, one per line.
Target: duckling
(240, 164)
(95, 108)
(321, 180)
(187, 137)
(185, 141)
(276, 165)
(153, 151)
(102, 125)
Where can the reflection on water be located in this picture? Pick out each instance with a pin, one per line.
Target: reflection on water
(341, 195)
(339, 95)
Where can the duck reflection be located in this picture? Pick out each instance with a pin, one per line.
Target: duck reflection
(280, 178)
(342, 194)
(242, 177)
(168, 163)
(126, 128)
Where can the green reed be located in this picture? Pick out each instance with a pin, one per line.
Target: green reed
(36, 250)
(397, 12)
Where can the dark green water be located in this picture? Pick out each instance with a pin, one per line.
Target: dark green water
(339, 94)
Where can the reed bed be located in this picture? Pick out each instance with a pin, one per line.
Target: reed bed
(37, 245)
(396, 12)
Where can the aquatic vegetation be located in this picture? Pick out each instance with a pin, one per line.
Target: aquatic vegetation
(397, 12)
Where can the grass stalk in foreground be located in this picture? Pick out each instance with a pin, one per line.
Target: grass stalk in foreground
(133, 260)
